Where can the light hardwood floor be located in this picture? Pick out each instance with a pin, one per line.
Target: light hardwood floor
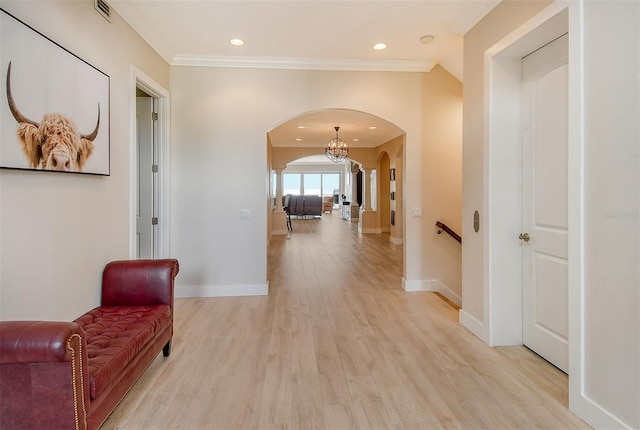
(338, 344)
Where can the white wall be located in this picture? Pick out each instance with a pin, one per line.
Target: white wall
(57, 231)
(220, 120)
(612, 208)
(605, 347)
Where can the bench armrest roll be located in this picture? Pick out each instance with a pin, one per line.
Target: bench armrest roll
(139, 282)
(37, 341)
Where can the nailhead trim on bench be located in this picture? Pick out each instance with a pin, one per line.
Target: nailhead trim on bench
(75, 362)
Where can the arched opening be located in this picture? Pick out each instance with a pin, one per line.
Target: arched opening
(295, 151)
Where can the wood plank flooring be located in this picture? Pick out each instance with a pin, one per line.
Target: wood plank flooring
(338, 344)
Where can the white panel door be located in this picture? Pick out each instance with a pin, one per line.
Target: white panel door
(144, 207)
(545, 201)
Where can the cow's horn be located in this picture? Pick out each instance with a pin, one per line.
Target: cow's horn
(14, 110)
(94, 133)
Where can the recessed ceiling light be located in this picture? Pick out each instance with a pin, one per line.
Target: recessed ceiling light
(425, 40)
(301, 126)
(298, 139)
(373, 127)
(356, 140)
(236, 42)
(379, 46)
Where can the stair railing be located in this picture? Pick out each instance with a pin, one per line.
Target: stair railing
(443, 227)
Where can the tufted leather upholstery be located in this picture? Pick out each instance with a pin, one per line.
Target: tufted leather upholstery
(115, 335)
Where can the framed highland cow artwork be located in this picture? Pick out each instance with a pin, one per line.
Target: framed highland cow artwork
(54, 107)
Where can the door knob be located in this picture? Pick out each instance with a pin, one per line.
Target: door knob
(524, 236)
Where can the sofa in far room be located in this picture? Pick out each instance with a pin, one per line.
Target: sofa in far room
(300, 205)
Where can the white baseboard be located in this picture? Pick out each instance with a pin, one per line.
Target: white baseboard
(431, 285)
(182, 292)
(473, 325)
(395, 240)
(417, 285)
(594, 414)
(445, 291)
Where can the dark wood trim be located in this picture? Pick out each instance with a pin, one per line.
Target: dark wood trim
(445, 228)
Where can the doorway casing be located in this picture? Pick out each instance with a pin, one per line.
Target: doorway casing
(502, 193)
(161, 102)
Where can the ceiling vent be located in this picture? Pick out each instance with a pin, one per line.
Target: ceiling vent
(104, 9)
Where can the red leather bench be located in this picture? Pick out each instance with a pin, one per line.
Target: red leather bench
(72, 375)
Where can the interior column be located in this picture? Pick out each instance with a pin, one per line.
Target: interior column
(367, 221)
(355, 209)
(279, 182)
(279, 217)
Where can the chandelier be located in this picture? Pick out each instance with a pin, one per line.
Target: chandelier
(336, 149)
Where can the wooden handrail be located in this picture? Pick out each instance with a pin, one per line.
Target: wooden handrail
(443, 227)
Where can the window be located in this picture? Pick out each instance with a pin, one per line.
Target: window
(291, 183)
(330, 183)
(311, 184)
(274, 183)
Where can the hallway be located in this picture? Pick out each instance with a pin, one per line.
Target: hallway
(338, 344)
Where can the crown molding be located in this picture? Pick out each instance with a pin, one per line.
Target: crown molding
(132, 16)
(304, 63)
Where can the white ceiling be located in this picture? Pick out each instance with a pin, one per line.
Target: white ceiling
(310, 34)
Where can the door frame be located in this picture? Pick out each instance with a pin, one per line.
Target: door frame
(502, 265)
(503, 171)
(502, 192)
(161, 102)
(145, 150)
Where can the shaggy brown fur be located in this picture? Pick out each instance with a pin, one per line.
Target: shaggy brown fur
(56, 134)
(54, 143)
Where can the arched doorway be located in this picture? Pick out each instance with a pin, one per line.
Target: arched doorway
(374, 142)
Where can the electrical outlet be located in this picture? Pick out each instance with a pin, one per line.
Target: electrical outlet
(245, 214)
(417, 212)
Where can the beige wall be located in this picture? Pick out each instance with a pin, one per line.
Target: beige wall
(394, 150)
(283, 155)
(59, 230)
(441, 167)
(499, 23)
(269, 204)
